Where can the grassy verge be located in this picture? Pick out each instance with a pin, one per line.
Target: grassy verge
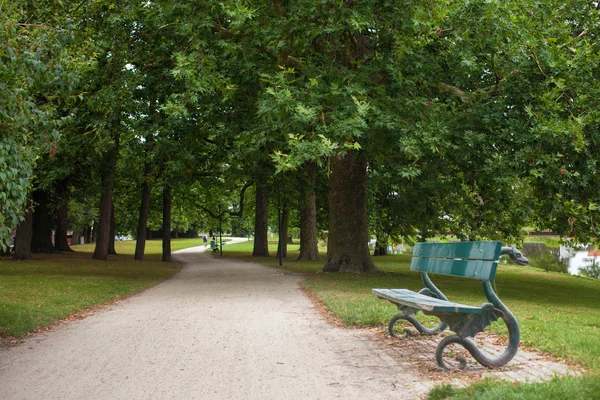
(558, 313)
(586, 387)
(37, 293)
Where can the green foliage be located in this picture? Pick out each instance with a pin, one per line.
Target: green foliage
(15, 181)
(548, 262)
(582, 387)
(591, 271)
(39, 64)
(552, 242)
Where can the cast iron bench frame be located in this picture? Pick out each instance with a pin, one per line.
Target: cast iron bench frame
(474, 260)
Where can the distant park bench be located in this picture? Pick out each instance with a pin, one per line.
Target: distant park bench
(474, 260)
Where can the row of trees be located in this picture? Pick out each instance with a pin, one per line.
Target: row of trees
(476, 118)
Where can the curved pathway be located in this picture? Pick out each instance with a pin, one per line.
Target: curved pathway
(219, 329)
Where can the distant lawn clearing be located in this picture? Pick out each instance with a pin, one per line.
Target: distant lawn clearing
(36, 293)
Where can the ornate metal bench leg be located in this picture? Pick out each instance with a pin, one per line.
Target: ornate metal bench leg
(415, 322)
(469, 345)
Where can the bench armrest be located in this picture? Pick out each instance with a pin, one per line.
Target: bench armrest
(515, 255)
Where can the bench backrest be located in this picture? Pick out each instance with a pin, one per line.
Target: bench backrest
(475, 260)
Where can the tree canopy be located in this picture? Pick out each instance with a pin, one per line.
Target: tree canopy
(475, 118)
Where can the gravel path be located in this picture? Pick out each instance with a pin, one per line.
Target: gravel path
(219, 329)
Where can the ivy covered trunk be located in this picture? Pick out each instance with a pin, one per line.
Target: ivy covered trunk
(347, 245)
(23, 235)
(309, 249)
(166, 240)
(41, 239)
(261, 221)
(102, 228)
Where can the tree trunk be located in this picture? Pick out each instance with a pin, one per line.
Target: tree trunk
(381, 248)
(347, 245)
(61, 242)
(88, 232)
(140, 244)
(41, 238)
(285, 222)
(112, 232)
(309, 249)
(23, 235)
(261, 221)
(166, 242)
(102, 229)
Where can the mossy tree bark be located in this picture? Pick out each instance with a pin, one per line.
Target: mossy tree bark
(23, 235)
(347, 245)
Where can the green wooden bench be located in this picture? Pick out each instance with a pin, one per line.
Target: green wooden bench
(474, 260)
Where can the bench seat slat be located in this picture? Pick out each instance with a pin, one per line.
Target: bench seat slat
(470, 250)
(422, 302)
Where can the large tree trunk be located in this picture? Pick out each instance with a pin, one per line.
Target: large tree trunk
(102, 229)
(285, 222)
(61, 242)
(347, 245)
(41, 239)
(166, 242)
(140, 244)
(113, 231)
(261, 221)
(23, 236)
(309, 249)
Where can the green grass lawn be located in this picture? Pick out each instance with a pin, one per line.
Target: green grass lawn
(37, 293)
(558, 313)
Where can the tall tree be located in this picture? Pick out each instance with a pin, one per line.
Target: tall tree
(166, 226)
(41, 239)
(309, 249)
(348, 216)
(23, 235)
(106, 201)
(62, 218)
(144, 210)
(261, 216)
(41, 59)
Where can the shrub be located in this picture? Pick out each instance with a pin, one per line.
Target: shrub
(548, 262)
(592, 271)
